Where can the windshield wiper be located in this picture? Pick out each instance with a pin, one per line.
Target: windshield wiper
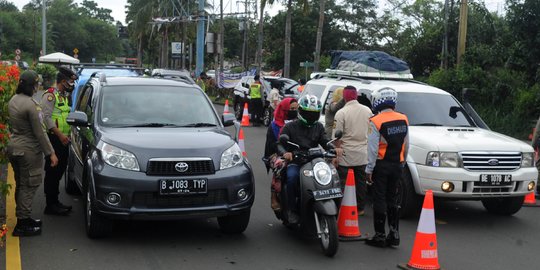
(151, 125)
(428, 124)
(199, 125)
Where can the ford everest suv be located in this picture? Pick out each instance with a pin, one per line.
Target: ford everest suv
(452, 151)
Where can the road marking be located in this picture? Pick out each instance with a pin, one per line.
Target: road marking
(13, 252)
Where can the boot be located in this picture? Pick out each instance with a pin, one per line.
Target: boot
(25, 228)
(61, 205)
(33, 222)
(275, 202)
(56, 210)
(379, 239)
(392, 239)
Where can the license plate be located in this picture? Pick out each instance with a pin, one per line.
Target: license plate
(495, 179)
(182, 186)
(327, 194)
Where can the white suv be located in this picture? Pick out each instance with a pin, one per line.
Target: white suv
(452, 151)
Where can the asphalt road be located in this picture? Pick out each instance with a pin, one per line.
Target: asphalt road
(468, 238)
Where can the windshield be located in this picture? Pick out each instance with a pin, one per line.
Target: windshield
(432, 110)
(155, 106)
(313, 89)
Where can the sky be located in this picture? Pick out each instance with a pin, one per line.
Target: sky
(118, 6)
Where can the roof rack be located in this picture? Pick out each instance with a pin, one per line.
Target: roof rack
(377, 75)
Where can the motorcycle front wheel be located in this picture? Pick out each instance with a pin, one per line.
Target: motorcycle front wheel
(329, 234)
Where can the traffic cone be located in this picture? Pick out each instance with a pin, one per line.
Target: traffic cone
(530, 200)
(348, 229)
(241, 143)
(226, 108)
(245, 116)
(424, 254)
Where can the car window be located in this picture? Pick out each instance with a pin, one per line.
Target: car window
(424, 109)
(83, 98)
(169, 105)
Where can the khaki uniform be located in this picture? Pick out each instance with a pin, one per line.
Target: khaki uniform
(26, 148)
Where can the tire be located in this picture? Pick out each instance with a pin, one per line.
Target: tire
(329, 238)
(234, 224)
(69, 184)
(96, 226)
(408, 199)
(505, 206)
(267, 116)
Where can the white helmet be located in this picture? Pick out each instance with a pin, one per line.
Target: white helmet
(384, 98)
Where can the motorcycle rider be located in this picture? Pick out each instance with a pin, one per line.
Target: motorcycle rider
(387, 151)
(307, 132)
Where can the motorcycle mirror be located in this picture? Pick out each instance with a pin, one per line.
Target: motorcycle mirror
(283, 138)
(338, 134)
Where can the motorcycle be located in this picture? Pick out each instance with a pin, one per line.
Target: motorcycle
(319, 188)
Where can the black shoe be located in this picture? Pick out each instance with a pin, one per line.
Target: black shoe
(22, 229)
(378, 240)
(55, 210)
(31, 222)
(61, 205)
(392, 239)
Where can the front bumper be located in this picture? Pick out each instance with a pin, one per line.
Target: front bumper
(140, 198)
(467, 182)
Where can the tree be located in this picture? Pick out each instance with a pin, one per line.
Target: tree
(7, 6)
(288, 25)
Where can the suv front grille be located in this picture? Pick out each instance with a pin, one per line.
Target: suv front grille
(198, 166)
(153, 200)
(487, 161)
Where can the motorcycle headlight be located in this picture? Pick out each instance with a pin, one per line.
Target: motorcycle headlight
(527, 159)
(118, 157)
(442, 159)
(323, 173)
(231, 157)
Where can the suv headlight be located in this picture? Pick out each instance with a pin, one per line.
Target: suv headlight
(118, 157)
(231, 157)
(442, 159)
(527, 159)
(323, 173)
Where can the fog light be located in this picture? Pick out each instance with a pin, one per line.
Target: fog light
(308, 173)
(531, 186)
(447, 186)
(113, 198)
(242, 194)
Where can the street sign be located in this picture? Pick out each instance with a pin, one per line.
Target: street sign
(75, 51)
(17, 51)
(176, 47)
(17, 57)
(306, 64)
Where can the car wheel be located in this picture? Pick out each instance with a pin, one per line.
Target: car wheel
(407, 197)
(69, 182)
(506, 206)
(96, 225)
(236, 223)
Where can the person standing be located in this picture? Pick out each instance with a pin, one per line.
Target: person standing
(331, 110)
(353, 121)
(201, 81)
(387, 152)
(25, 151)
(302, 84)
(256, 100)
(56, 109)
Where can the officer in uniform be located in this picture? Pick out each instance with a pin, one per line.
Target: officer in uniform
(55, 104)
(25, 150)
(387, 150)
(256, 100)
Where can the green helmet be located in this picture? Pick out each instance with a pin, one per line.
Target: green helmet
(309, 109)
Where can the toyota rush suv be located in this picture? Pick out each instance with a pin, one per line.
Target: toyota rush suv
(452, 151)
(145, 148)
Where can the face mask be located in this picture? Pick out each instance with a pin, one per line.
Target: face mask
(70, 86)
(292, 114)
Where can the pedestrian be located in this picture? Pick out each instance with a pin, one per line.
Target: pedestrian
(26, 148)
(387, 152)
(274, 97)
(353, 121)
(256, 105)
(201, 81)
(55, 110)
(334, 106)
(302, 83)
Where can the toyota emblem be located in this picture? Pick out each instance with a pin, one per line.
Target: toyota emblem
(493, 162)
(181, 167)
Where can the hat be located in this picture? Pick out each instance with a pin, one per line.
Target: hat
(29, 76)
(350, 93)
(68, 73)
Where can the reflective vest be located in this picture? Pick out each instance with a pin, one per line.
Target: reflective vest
(393, 128)
(60, 113)
(201, 84)
(255, 90)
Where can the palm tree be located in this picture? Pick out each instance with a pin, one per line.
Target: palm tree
(258, 56)
(317, 57)
(139, 13)
(288, 23)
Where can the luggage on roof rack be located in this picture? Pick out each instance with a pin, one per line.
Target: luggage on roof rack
(368, 64)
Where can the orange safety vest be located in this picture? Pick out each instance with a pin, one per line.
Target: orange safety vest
(393, 128)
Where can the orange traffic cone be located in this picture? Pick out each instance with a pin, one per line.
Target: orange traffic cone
(226, 108)
(245, 116)
(348, 229)
(424, 254)
(241, 143)
(530, 200)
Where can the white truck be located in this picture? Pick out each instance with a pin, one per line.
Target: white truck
(452, 151)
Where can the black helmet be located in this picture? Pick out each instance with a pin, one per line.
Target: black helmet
(65, 73)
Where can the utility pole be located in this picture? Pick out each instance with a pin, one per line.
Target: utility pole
(43, 29)
(444, 60)
(200, 40)
(244, 45)
(220, 41)
(462, 30)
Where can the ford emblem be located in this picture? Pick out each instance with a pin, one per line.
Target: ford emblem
(493, 162)
(181, 167)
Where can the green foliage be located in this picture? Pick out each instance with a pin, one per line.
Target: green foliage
(48, 73)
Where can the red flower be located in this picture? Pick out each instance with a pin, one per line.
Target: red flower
(2, 126)
(3, 78)
(1, 89)
(14, 72)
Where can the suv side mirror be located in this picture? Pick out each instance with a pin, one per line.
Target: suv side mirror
(78, 119)
(228, 119)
